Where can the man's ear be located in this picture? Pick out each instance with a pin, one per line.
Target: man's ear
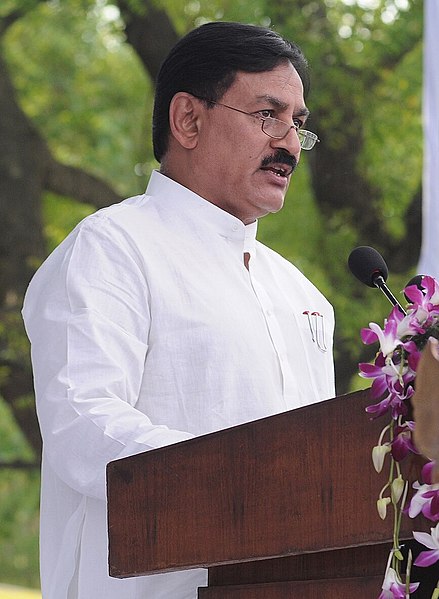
(184, 120)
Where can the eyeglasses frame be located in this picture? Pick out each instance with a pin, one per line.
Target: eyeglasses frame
(303, 134)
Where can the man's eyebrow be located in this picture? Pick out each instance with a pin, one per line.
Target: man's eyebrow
(302, 112)
(280, 105)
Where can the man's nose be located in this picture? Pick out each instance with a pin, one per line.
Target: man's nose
(290, 143)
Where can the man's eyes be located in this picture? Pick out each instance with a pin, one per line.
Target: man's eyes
(265, 113)
(269, 113)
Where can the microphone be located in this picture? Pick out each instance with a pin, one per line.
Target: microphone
(369, 267)
(416, 280)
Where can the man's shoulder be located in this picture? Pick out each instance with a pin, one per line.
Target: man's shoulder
(124, 209)
(135, 216)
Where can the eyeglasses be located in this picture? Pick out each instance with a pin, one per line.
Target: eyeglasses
(275, 128)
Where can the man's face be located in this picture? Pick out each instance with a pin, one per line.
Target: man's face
(239, 168)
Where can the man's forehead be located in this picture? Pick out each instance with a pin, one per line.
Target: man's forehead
(279, 104)
(283, 79)
(281, 88)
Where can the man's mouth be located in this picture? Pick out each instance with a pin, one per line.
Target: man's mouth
(279, 170)
(282, 164)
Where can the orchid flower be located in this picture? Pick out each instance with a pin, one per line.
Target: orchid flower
(385, 372)
(427, 300)
(407, 324)
(393, 402)
(402, 443)
(393, 375)
(394, 588)
(393, 378)
(427, 558)
(387, 337)
(425, 501)
(426, 498)
(427, 472)
(396, 327)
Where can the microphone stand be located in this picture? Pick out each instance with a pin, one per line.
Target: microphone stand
(379, 282)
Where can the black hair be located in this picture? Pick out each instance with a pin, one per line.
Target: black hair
(205, 62)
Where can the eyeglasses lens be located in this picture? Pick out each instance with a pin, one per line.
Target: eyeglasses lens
(278, 129)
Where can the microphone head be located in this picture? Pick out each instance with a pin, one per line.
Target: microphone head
(367, 265)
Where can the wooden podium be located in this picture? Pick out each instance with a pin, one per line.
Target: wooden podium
(279, 508)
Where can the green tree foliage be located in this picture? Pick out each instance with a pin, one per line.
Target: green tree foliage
(19, 502)
(84, 88)
(366, 105)
(76, 85)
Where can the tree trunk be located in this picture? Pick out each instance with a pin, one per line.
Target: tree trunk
(27, 169)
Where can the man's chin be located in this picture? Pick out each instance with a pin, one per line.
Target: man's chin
(271, 207)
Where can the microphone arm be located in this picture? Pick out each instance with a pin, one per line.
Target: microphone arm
(379, 282)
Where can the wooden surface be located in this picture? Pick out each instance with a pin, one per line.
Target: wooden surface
(358, 588)
(290, 484)
(336, 572)
(358, 562)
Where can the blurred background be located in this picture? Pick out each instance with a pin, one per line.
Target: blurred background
(76, 89)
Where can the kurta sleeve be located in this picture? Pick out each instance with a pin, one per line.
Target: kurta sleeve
(87, 315)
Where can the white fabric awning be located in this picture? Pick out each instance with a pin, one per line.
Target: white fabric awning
(429, 261)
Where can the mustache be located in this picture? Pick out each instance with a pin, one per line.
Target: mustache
(280, 157)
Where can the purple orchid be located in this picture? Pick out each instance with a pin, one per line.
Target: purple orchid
(425, 501)
(378, 371)
(393, 378)
(427, 558)
(407, 324)
(382, 371)
(387, 337)
(393, 374)
(394, 588)
(425, 308)
(427, 300)
(426, 498)
(393, 402)
(396, 327)
(402, 443)
(427, 472)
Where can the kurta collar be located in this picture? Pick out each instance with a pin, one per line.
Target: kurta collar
(225, 224)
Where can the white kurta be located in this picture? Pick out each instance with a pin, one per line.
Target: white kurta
(146, 329)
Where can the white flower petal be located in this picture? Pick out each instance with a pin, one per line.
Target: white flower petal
(425, 539)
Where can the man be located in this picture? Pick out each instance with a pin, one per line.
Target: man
(426, 404)
(162, 318)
